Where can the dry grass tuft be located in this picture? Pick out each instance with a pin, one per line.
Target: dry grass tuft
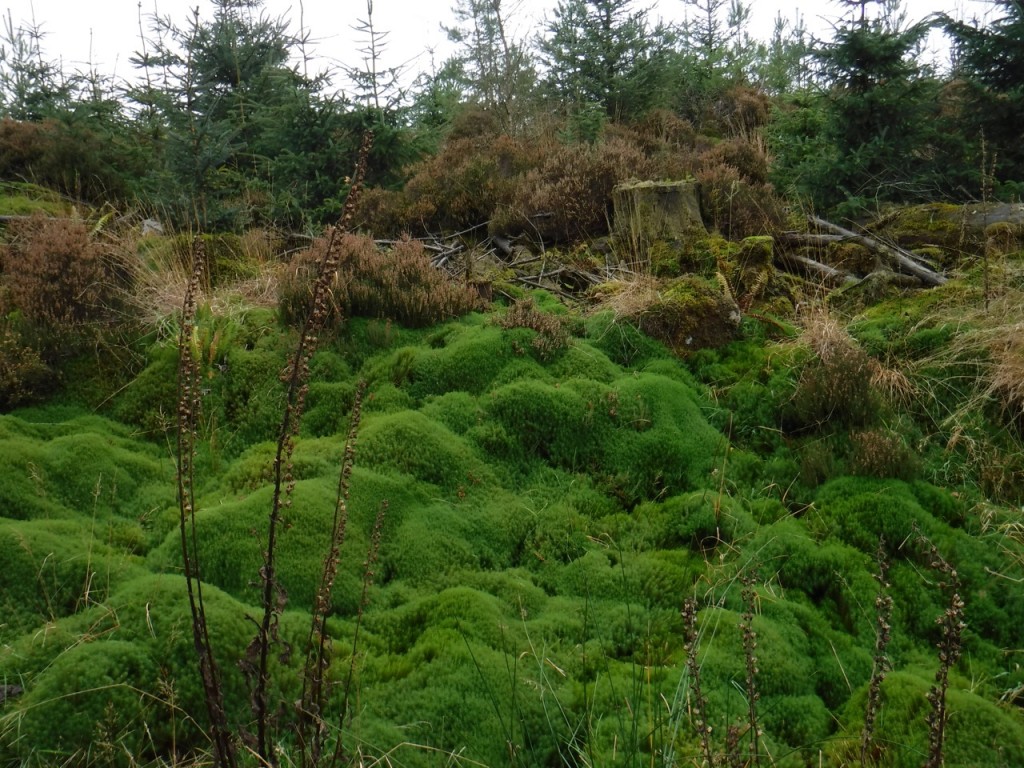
(159, 278)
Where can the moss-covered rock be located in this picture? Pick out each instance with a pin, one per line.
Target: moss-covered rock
(691, 313)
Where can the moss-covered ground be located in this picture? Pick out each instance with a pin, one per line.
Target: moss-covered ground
(550, 506)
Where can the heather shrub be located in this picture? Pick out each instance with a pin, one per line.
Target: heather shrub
(734, 206)
(568, 197)
(835, 384)
(69, 156)
(670, 143)
(552, 335)
(748, 158)
(882, 453)
(23, 374)
(59, 279)
(460, 187)
(739, 111)
(399, 284)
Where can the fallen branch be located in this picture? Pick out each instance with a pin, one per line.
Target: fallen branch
(900, 260)
(812, 268)
(809, 239)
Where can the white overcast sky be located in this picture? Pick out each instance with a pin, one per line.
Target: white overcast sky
(106, 32)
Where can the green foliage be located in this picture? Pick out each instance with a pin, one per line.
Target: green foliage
(91, 694)
(46, 575)
(82, 465)
(123, 675)
(858, 511)
(622, 341)
(691, 313)
(23, 374)
(548, 510)
(864, 140)
(835, 385)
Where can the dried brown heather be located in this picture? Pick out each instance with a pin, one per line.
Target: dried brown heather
(950, 645)
(698, 703)
(188, 415)
(552, 335)
(883, 615)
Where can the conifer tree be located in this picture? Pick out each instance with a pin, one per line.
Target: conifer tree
(240, 135)
(990, 61)
(879, 139)
(495, 68)
(605, 55)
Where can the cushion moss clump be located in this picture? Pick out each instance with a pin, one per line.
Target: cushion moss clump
(254, 467)
(411, 443)
(622, 341)
(457, 410)
(977, 732)
(469, 360)
(136, 651)
(232, 536)
(54, 568)
(87, 465)
(90, 695)
(858, 511)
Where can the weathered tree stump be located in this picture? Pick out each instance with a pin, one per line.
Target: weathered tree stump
(647, 212)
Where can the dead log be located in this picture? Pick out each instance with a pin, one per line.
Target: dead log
(899, 259)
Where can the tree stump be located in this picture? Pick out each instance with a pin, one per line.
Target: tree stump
(647, 212)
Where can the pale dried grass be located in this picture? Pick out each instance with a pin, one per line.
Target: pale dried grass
(158, 282)
(629, 299)
(989, 344)
(825, 336)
